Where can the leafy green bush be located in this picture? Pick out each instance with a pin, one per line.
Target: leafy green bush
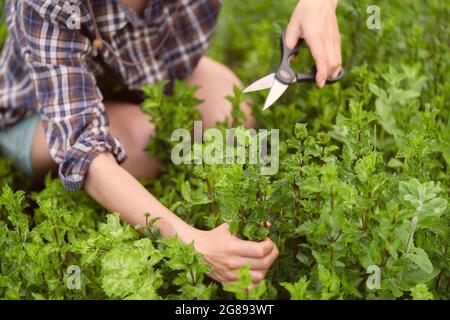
(364, 179)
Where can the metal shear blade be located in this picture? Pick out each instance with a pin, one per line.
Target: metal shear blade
(277, 90)
(276, 87)
(268, 82)
(261, 84)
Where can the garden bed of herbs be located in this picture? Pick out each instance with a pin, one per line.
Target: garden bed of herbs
(363, 180)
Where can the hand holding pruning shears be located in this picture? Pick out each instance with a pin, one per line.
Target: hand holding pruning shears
(313, 21)
(316, 22)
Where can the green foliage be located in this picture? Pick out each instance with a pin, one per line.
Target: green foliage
(364, 178)
(128, 271)
(169, 112)
(297, 290)
(420, 292)
(242, 288)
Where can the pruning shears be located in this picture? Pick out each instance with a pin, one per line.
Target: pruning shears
(279, 81)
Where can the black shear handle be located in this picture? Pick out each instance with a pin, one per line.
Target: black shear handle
(311, 76)
(287, 75)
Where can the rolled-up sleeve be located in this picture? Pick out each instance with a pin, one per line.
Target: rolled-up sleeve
(70, 103)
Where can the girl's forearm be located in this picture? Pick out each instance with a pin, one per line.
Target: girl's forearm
(118, 191)
(114, 188)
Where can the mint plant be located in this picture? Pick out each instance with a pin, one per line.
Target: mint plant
(363, 181)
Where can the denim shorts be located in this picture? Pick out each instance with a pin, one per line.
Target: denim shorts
(16, 142)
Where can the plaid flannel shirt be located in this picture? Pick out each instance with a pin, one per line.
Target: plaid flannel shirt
(48, 67)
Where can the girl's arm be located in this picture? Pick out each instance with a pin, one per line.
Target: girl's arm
(118, 191)
(115, 189)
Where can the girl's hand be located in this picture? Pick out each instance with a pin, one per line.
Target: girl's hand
(226, 253)
(315, 21)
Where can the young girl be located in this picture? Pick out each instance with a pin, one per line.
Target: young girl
(53, 115)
